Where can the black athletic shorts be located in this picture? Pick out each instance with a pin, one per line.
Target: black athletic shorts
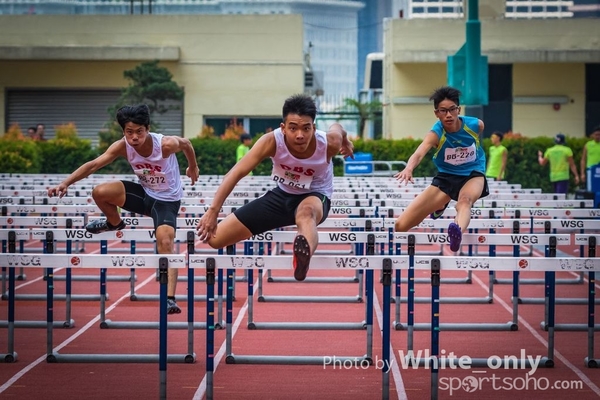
(275, 209)
(138, 201)
(452, 184)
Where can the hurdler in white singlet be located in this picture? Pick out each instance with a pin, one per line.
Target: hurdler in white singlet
(298, 176)
(159, 176)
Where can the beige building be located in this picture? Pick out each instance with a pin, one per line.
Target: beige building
(539, 72)
(56, 69)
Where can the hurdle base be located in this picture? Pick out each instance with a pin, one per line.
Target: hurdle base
(295, 360)
(309, 299)
(336, 326)
(56, 297)
(315, 279)
(119, 358)
(9, 357)
(442, 280)
(444, 363)
(200, 278)
(39, 324)
(451, 300)
(95, 278)
(108, 324)
(568, 327)
(508, 326)
(21, 277)
(532, 281)
(155, 297)
(592, 362)
(569, 301)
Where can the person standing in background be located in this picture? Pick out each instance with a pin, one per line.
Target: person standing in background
(40, 130)
(591, 154)
(32, 133)
(498, 155)
(560, 158)
(243, 148)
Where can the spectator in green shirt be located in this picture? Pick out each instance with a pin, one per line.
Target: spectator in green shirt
(244, 147)
(591, 153)
(496, 166)
(560, 158)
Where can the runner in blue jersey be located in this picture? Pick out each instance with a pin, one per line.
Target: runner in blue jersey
(460, 160)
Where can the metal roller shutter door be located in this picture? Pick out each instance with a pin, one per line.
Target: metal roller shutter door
(87, 109)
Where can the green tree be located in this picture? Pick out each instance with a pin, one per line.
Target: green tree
(364, 111)
(150, 84)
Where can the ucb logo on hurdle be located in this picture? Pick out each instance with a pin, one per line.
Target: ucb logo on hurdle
(128, 261)
(24, 260)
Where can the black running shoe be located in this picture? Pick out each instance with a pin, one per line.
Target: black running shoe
(438, 213)
(172, 307)
(301, 257)
(102, 225)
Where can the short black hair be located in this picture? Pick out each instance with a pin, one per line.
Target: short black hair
(138, 114)
(300, 104)
(499, 134)
(244, 137)
(559, 138)
(445, 92)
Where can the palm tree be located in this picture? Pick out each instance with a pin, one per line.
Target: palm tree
(365, 111)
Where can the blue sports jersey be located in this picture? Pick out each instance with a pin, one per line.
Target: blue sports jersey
(459, 153)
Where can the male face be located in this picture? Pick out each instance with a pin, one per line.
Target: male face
(447, 112)
(135, 134)
(299, 131)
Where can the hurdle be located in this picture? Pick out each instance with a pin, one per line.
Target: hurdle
(590, 241)
(589, 360)
(51, 261)
(356, 225)
(9, 238)
(134, 260)
(282, 262)
(495, 239)
(554, 225)
(369, 238)
(388, 264)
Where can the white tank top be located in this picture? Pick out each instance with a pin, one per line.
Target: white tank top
(159, 176)
(298, 176)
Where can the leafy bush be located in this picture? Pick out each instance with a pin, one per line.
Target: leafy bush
(66, 152)
(17, 153)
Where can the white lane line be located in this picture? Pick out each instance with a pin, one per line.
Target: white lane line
(535, 334)
(87, 326)
(398, 382)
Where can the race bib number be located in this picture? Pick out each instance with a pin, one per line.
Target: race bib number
(460, 155)
(152, 180)
(291, 178)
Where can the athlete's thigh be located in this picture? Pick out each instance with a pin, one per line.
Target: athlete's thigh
(428, 201)
(472, 189)
(311, 206)
(229, 231)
